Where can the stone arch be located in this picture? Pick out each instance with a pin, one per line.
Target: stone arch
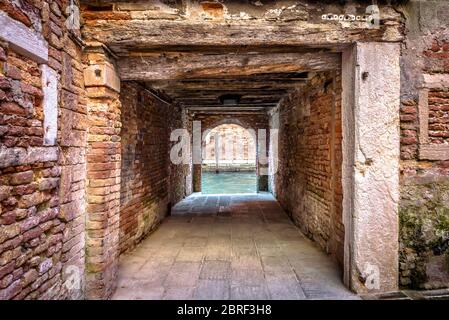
(248, 133)
(240, 122)
(253, 123)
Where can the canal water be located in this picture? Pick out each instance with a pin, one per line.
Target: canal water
(228, 182)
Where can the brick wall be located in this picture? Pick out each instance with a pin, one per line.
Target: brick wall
(41, 186)
(308, 181)
(179, 182)
(424, 205)
(439, 114)
(150, 183)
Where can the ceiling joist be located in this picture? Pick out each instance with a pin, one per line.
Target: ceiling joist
(223, 66)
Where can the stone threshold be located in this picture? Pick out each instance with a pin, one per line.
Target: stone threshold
(437, 294)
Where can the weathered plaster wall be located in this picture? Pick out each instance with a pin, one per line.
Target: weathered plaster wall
(150, 183)
(308, 181)
(42, 179)
(424, 211)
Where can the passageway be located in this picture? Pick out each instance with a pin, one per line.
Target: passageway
(103, 120)
(301, 97)
(228, 247)
(229, 161)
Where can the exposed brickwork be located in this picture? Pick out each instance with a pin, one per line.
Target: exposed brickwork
(150, 184)
(41, 214)
(69, 209)
(180, 184)
(439, 116)
(308, 182)
(409, 129)
(21, 109)
(103, 184)
(423, 211)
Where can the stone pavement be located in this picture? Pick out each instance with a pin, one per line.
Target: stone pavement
(434, 294)
(228, 247)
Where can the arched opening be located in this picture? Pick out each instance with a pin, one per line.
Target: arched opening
(229, 160)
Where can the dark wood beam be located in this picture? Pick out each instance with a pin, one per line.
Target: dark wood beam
(244, 100)
(229, 109)
(204, 94)
(226, 85)
(123, 36)
(241, 105)
(191, 66)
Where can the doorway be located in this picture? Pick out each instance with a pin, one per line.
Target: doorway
(229, 161)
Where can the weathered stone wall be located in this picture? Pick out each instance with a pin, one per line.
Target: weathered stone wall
(424, 211)
(150, 183)
(308, 181)
(42, 183)
(234, 142)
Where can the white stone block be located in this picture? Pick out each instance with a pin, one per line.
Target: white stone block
(22, 39)
(50, 104)
(371, 139)
(23, 156)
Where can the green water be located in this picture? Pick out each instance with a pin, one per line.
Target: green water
(228, 182)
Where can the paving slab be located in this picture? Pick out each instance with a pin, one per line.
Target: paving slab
(228, 247)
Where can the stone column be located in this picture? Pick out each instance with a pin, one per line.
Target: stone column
(103, 172)
(370, 115)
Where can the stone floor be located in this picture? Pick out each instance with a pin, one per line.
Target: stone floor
(435, 294)
(228, 247)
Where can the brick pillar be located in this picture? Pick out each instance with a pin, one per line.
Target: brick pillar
(103, 172)
(262, 141)
(196, 178)
(197, 144)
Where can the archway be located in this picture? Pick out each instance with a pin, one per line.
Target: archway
(229, 160)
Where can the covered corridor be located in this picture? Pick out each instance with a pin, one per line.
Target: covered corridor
(104, 127)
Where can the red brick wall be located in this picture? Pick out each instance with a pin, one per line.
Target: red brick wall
(439, 115)
(308, 181)
(434, 60)
(103, 183)
(424, 209)
(150, 183)
(41, 202)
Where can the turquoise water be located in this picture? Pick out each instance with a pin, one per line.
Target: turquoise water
(228, 182)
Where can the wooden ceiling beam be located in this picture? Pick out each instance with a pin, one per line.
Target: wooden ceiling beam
(123, 36)
(223, 66)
